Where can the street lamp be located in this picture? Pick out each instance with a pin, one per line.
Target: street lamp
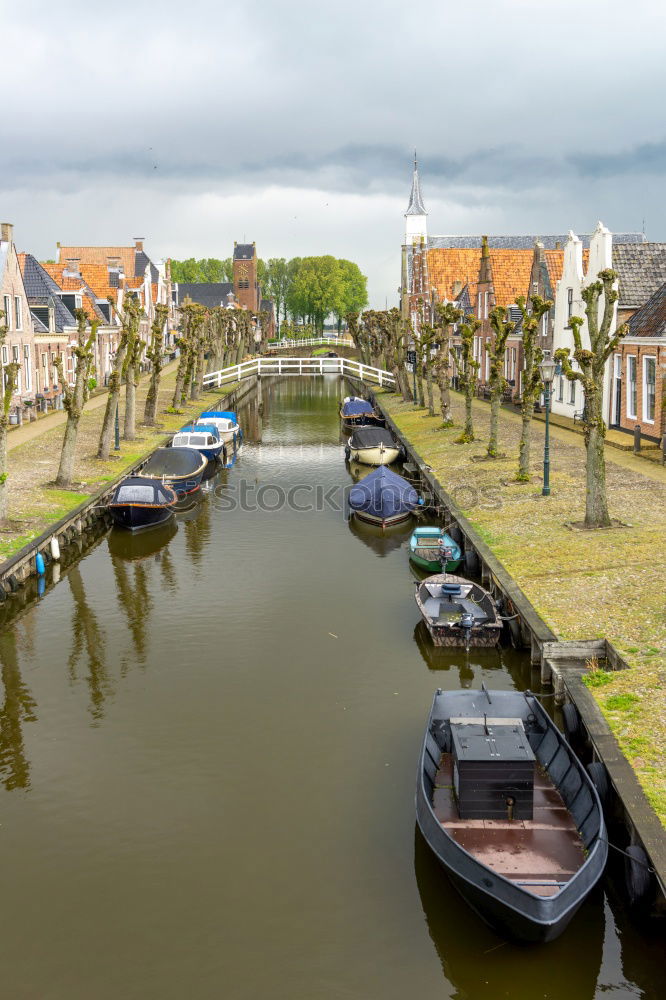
(547, 370)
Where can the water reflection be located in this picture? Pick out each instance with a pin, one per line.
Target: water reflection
(381, 540)
(88, 646)
(136, 545)
(18, 706)
(479, 963)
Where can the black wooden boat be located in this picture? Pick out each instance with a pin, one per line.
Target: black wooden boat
(180, 468)
(509, 811)
(458, 612)
(140, 502)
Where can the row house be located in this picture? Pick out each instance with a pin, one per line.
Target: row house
(642, 359)
(630, 388)
(18, 345)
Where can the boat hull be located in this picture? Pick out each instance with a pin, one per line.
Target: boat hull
(374, 456)
(510, 909)
(481, 635)
(434, 566)
(382, 522)
(138, 517)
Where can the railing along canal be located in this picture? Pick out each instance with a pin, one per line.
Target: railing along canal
(299, 366)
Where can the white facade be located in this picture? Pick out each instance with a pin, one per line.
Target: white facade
(416, 230)
(568, 397)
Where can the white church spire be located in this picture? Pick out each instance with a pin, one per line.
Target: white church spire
(416, 230)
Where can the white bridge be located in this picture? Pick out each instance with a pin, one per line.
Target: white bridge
(312, 342)
(299, 366)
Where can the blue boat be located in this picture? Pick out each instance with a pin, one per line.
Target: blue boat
(226, 422)
(383, 498)
(204, 438)
(431, 548)
(357, 412)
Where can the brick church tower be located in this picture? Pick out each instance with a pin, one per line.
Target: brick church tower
(246, 286)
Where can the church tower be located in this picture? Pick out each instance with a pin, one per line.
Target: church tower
(416, 228)
(246, 285)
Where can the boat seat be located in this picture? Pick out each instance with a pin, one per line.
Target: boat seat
(451, 590)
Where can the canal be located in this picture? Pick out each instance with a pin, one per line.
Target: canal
(208, 745)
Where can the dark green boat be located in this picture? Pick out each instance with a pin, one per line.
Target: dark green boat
(428, 545)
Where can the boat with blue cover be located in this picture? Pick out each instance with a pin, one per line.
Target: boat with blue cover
(358, 412)
(509, 811)
(181, 468)
(432, 549)
(226, 422)
(383, 498)
(204, 438)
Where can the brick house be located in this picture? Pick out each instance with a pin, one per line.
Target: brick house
(642, 361)
(19, 341)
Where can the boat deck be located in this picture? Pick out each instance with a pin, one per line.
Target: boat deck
(540, 854)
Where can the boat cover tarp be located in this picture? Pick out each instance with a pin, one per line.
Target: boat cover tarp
(229, 414)
(173, 462)
(140, 489)
(356, 407)
(201, 429)
(372, 437)
(383, 494)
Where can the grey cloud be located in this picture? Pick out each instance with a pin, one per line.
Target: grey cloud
(645, 158)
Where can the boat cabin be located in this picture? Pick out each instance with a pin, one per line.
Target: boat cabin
(493, 769)
(198, 438)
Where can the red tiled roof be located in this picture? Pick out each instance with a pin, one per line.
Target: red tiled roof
(448, 266)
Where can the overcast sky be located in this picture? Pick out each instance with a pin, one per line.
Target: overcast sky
(293, 124)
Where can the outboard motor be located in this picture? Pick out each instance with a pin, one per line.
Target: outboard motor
(466, 623)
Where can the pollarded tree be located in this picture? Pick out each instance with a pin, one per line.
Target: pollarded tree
(591, 374)
(191, 317)
(531, 377)
(8, 376)
(135, 348)
(447, 315)
(154, 354)
(427, 340)
(468, 372)
(74, 397)
(503, 327)
(115, 378)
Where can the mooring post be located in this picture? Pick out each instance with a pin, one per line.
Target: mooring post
(637, 438)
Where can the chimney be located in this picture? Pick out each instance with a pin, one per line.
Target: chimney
(457, 288)
(558, 244)
(7, 230)
(72, 265)
(138, 243)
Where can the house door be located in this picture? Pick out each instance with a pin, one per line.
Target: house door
(617, 392)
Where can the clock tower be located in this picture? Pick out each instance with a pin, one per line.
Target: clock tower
(245, 276)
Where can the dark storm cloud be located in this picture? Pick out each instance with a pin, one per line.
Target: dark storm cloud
(646, 158)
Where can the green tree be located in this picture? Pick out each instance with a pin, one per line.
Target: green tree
(591, 374)
(74, 397)
(317, 288)
(531, 378)
(278, 280)
(353, 291)
(503, 327)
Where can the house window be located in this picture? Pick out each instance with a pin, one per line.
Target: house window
(632, 393)
(649, 386)
(544, 325)
(27, 366)
(572, 392)
(5, 354)
(569, 302)
(15, 353)
(18, 314)
(560, 389)
(479, 307)
(485, 305)
(7, 318)
(45, 361)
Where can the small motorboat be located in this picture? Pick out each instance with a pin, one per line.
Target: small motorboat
(458, 612)
(509, 811)
(204, 438)
(431, 548)
(180, 468)
(139, 502)
(226, 422)
(383, 498)
(358, 412)
(372, 446)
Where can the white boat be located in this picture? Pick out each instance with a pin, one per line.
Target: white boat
(202, 438)
(372, 446)
(226, 423)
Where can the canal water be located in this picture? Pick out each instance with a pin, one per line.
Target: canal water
(208, 745)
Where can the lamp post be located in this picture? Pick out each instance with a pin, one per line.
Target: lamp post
(547, 369)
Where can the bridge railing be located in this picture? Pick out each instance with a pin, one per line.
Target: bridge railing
(299, 366)
(312, 342)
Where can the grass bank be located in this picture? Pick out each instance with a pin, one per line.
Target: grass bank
(34, 505)
(605, 584)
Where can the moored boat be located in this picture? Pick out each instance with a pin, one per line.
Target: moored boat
(372, 446)
(358, 412)
(139, 502)
(458, 612)
(226, 422)
(204, 438)
(431, 548)
(509, 811)
(383, 497)
(180, 468)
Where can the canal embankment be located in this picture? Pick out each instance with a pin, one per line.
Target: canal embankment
(43, 519)
(584, 599)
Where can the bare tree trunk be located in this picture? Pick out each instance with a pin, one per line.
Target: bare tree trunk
(431, 397)
(180, 379)
(527, 411)
(68, 453)
(108, 423)
(130, 403)
(419, 380)
(495, 402)
(468, 431)
(3, 469)
(596, 503)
